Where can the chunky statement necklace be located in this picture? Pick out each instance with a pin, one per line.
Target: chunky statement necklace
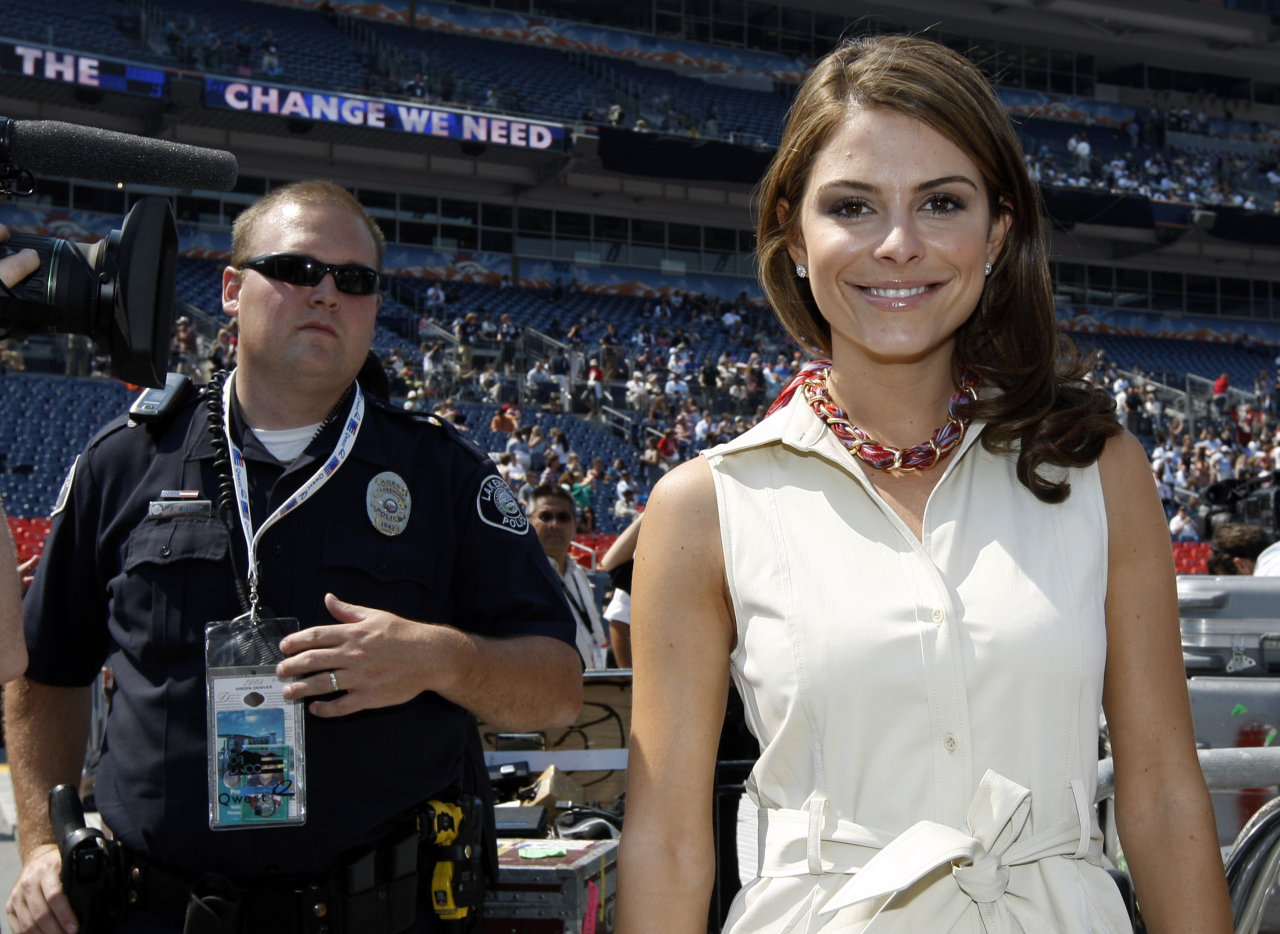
(812, 383)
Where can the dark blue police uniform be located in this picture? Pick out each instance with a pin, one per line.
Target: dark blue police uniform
(121, 587)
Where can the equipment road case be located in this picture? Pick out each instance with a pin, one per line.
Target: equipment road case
(1230, 625)
(572, 893)
(1231, 712)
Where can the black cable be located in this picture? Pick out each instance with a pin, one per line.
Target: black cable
(212, 398)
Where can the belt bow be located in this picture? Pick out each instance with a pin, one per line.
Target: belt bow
(980, 854)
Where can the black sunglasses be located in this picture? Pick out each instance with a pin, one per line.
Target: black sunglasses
(297, 269)
(557, 516)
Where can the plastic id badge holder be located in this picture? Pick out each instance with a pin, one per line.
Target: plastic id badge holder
(256, 762)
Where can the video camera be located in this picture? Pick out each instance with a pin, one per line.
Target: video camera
(1255, 500)
(119, 291)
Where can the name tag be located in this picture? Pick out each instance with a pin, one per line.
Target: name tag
(169, 509)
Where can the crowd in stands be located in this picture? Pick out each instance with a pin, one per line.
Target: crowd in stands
(674, 404)
(677, 397)
(662, 401)
(678, 403)
(246, 52)
(652, 383)
(1204, 177)
(1133, 159)
(1202, 474)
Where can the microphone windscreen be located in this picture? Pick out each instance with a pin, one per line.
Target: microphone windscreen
(105, 155)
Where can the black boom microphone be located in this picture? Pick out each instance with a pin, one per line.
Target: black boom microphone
(87, 152)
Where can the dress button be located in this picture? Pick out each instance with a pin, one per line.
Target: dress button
(277, 549)
(949, 743)
(938, 615)
(164, 551)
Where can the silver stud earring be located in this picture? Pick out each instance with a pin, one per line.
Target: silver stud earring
(987, 269)
(802, 272)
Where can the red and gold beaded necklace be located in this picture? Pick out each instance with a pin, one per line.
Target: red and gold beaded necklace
(812, 383)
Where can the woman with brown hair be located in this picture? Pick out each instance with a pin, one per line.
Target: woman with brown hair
(928, 571)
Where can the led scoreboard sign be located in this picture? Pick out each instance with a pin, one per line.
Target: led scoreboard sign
(86, 71)
(354, 110)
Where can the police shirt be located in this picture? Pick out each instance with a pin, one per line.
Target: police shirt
(121, 586)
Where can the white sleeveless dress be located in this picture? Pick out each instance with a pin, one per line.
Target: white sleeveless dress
(927, 710)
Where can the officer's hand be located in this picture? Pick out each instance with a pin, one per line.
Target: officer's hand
(15, 268)
(379, 659)
(37, 902)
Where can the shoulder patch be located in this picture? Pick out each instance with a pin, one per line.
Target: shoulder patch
(497, 506)
(64, 494)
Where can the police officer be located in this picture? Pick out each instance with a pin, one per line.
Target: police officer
(380, 531)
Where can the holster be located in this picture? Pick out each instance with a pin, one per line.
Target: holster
(91, 864)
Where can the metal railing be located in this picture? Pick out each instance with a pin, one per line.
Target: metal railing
(1253, 862)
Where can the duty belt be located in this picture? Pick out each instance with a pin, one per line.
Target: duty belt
(432, 864)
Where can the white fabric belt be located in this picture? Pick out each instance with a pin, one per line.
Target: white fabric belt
(879, 864)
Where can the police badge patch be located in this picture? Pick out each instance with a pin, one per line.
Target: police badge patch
(388, 503)
(498, 506)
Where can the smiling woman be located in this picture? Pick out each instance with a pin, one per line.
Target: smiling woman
(895, 230)
(928, 570)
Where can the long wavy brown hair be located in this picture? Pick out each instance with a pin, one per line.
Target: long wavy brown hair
(1044, 410)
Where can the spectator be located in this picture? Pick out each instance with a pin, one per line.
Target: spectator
(580, 485)
(506, 420)
(271, 53)
(518, 447)
(668, 450)
(650, 461)
(637, 396)
(624, 507)
(1236, 547)
(489, 383)
(416, 89)
(183, 347)
(618, 562)
(435, 297)
(593, 394)
(175, 39)
(222, 352)
(508, 335)
(1221, 391)
(551, 472)
(242, 46)
(625, 482)
(208, 49)
(467, 331)
(558, 367)
(536, 446)
(551, 513)
(1183, 527)
(1083, 155)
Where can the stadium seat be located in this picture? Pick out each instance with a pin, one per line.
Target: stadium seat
(1191, 557)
